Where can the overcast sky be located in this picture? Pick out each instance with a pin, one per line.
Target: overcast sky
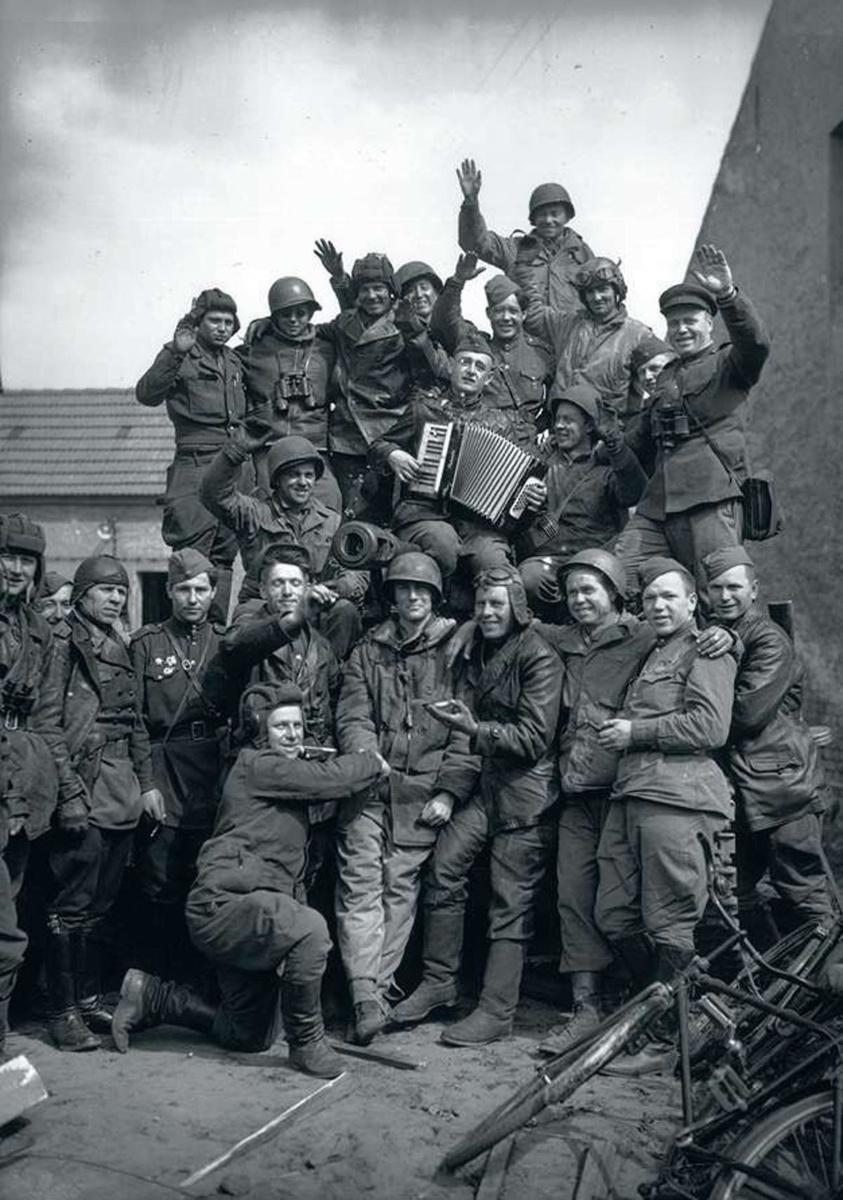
(150, 149)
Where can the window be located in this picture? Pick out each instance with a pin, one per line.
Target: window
(155, 604)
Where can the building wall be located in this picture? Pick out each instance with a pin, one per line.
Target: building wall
(777, 211)
(77, 528)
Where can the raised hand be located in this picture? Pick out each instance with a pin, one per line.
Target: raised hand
(184, 339)
(330, 257)
(467, 268)
(470, 178)
(712, 270)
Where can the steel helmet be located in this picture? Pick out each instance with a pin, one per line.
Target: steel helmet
(409, 272)
(600, 270)
(290, 452)
(412, 566)
(603, 562)
(583, 395)
(551, 193)
(288, 291)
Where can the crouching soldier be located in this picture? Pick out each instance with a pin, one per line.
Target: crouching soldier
(670, 797)
(179, 752)
(508, 706)
(243, 912)
(771, 758)
(384, 839)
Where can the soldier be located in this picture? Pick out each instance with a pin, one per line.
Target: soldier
(587, 492)
(286, 374)
(418, 284)
(425, 522)
(694, 429)
(670, 796)
(35, 772)
(508, 707)
(548, 257)
(384, 838)
(647, 361)
(244, 913)
(201, 381)
(772, 760)
(523, 365)
(87, 856)
(291, 513)
(594, 345)
(54, 602)
(179, 753)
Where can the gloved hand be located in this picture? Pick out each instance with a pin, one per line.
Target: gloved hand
(72, 815)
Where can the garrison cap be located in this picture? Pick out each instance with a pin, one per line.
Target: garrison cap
(473, 342)
(687, 295)
(187, 564)
(99, 568)
(655, 567)
(722, 560)
(500, 288)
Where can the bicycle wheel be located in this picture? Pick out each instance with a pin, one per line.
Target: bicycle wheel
(529, 1100)
(794, 1145)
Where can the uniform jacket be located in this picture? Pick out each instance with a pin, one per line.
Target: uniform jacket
(515, 697)
(260, 835)
(597, 674)
(180, 739)
(271, 357)
(204, 394)
(385, 686)
(260, 521)
(526, 259)
(713, 387)
(524, 367)
(587, 500)
(597, 352)
(34, 760)
(371, 378)
(101, 719)
(680, 707)
(771, 756)
(406, 434)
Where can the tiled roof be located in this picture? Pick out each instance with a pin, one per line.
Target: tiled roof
(82, 443)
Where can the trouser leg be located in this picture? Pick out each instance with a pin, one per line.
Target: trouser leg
(359, 897)
(797, 870)
(580, 825)
(698, 531)
(402, 883)
(640, 540)
(439, 539)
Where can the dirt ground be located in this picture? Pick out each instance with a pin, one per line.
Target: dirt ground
(134, 1127)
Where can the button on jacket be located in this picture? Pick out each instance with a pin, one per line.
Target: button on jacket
(272, 357)
(203, 391)
(680, 707)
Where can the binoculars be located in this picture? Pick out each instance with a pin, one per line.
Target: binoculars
(293, 387)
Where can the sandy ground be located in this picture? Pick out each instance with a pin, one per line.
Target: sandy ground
(134, 1127)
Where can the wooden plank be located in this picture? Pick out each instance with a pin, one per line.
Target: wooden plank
(20, 1088)
(494, 1172)
(373, 1054)
(262, 1134)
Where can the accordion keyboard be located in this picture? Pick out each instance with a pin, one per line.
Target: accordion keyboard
(432, 457)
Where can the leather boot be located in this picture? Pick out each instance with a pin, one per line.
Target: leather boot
(85, 950)
(64, 1024)
(658, 1056)
(146, 1000)
(638, 954)
(301, 1010)
(492, 1018)
(586, 989)
(443, 934)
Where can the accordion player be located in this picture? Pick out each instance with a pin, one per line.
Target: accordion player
(475, 470)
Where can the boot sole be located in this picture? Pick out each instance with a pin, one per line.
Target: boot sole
(395, 1019)
(447, 1040)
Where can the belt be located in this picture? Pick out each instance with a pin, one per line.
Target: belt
(189, 731)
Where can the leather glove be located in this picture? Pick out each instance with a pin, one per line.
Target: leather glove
(72, 815)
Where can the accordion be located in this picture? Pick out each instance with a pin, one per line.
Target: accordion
(475, 469)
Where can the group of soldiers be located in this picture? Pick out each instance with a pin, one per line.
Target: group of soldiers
(340, 751)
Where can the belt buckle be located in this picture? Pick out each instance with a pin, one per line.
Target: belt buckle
(197, 731)
(10, 721)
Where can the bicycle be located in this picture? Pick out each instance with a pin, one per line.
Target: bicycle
(744, 1058)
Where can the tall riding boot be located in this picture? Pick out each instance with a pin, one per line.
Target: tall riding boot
(146, 1000)
(443, 934)
(492, 1018)
(218, 612)
(87, 957)
(64, 1024)
(301, 1010)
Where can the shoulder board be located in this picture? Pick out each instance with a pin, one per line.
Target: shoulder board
(145, 631)
(532, 340)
